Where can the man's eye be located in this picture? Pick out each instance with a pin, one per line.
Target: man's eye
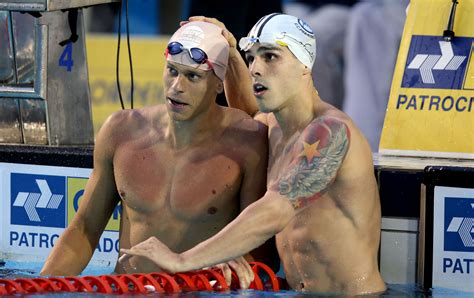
(270, 56)
(193, 76)
(249, 59)
(172, 71)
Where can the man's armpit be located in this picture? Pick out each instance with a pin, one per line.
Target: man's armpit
(318, 155)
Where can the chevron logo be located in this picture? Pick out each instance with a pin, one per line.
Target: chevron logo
(31, 201)
(464, 227)
(435, 63)
(38, 200)
(460, 224)
(427, 63)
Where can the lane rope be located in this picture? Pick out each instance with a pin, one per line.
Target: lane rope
(208, 280)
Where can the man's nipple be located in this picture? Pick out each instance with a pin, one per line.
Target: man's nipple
(212, 210)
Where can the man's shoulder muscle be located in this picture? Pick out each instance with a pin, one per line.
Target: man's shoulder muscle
(246, 127)
(316, 158)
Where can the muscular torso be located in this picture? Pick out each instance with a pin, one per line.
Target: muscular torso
(180, 196)
(331, 244)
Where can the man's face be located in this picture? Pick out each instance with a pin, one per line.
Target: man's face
(276, 74)
(188, 90)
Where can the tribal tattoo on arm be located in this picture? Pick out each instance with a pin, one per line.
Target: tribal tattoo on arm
(318, 155)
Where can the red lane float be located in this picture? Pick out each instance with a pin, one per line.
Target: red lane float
(159, 282)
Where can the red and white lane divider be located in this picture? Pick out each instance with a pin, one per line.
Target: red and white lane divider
(201, 280)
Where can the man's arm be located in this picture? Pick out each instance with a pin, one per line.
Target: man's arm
(238, 84)
(317, 157)
(254, 187)
(75, 247)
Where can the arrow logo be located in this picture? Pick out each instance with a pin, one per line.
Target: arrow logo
(427, 63)
(31, 201)
(464, 226)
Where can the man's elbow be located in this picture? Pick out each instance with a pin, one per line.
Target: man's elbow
(280, 212)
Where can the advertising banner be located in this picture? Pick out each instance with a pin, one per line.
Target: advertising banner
(38, 203)
(453, 241)
(148, 63)
(431, 106)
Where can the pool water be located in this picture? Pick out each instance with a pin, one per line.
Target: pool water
(9, 269)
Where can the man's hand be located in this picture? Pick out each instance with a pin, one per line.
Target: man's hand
(226, 33)
(241, 268)
(157, 252)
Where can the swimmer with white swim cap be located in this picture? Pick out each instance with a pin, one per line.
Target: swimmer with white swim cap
(283, 30)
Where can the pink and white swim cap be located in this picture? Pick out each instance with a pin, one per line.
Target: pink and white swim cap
(284, 30)
(197, 37)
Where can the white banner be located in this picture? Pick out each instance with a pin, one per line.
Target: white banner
(37, 204)
(453, 243)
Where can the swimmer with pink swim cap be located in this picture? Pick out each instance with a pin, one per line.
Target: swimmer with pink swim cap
(182, 167)
(200, 45)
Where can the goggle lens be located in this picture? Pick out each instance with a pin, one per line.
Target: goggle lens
(198, 55)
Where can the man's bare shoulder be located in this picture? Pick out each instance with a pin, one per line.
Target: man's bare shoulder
(245, 125)
(359, 155)
(125, 124)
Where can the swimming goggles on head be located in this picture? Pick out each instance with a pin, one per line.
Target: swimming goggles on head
(196, 54)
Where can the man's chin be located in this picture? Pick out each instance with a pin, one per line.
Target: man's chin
(265, 109)
(177, 116)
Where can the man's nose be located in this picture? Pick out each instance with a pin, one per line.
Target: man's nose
(255, 68)
(178, 84)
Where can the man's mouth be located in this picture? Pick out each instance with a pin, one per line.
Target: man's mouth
(176, 102)
(259, 89)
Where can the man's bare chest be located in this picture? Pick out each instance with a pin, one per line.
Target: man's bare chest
(189, 183)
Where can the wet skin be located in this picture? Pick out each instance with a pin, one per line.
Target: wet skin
(182, 171)
(322, 201)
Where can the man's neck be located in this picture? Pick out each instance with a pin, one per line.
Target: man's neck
(184, 134)
(298, 112)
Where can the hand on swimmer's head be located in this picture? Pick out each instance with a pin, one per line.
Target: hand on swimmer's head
(226, 33)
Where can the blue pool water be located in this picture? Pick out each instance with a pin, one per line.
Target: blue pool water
(13, 270)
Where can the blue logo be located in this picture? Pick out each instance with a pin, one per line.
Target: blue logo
(38, 200)
(305, 26)
(435, 63)
(458, 224)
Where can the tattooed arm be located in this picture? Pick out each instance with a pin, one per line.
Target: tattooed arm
(316, 158)
(318, 155)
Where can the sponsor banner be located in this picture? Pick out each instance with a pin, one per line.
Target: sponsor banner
(38, 202)
(453, 238)
(431, 106)
(148, 63)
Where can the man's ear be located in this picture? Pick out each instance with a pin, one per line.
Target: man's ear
(220, 87)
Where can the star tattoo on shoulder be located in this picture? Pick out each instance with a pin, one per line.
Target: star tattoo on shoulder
(320, 149)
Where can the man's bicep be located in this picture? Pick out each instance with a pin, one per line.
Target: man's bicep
(316, 158)
(100, 195)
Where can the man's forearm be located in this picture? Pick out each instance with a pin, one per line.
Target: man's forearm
(256, 224)
(238, 85)
(70, 255)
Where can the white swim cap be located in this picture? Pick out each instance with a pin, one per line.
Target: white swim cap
(284, 30)
(194, 37)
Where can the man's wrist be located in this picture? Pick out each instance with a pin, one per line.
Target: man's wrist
(233, 52)
(182, 264)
